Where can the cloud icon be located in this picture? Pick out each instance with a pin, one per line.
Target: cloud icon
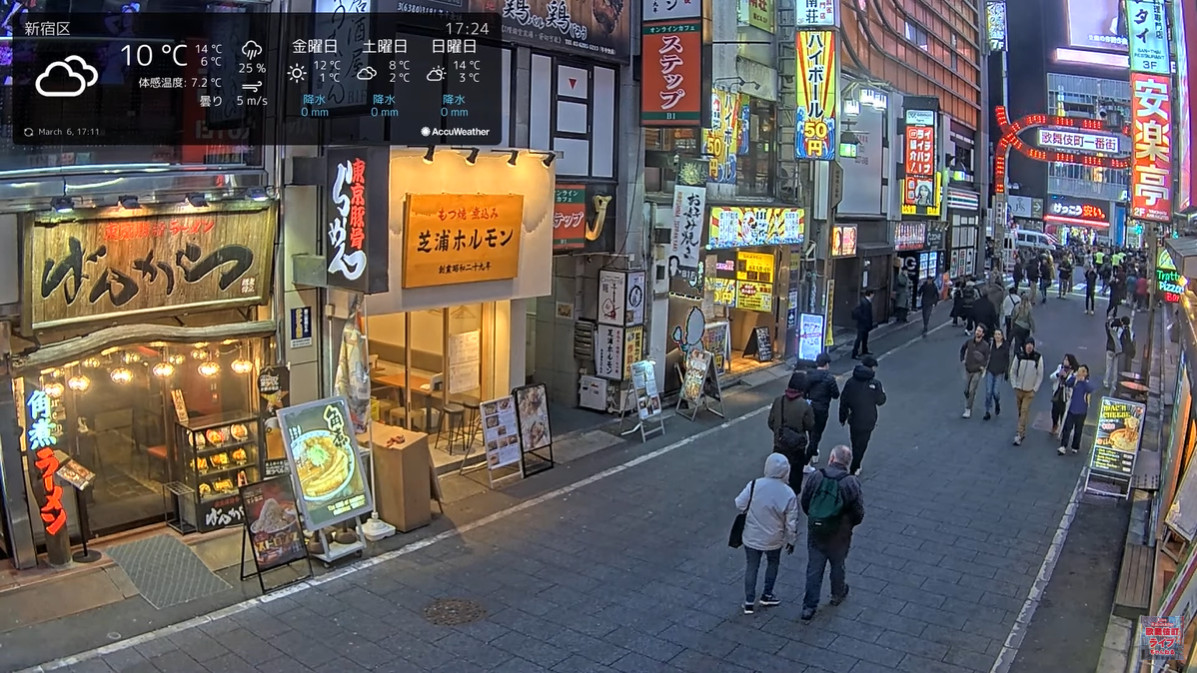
(367, 73)
(69, 83)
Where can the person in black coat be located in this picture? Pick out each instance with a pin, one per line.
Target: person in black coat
(821, 389)
(929, 297)
(985, 315)
(863, 315)
(859, 400)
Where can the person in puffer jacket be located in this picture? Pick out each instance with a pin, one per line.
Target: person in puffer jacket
(1026, 375)
(772, 523)
(859, 400)
(821, 389)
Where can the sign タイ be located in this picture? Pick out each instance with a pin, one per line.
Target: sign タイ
(671, 86)
(817, 94)
(356, 238)
(87, 270)
(1151, 170)
(461, 238)
(1148, 28)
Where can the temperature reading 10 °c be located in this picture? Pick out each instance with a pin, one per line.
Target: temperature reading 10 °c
(144, 55)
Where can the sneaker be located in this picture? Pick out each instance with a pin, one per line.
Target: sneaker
(987, 416)
(807, 469)
(808, 614)
(1055, 430)
(749, 608)
(1017, 440)
(857, 472)
(1075, 451)
(1062, 450)
(997, 408)
(769, 601)
(968, 413)
(836, 600)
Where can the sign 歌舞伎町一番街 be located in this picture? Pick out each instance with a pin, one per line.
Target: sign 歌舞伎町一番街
(323, 453)
(146, 266)
(461, 238)
(671, 76)
(357, 240)
(1151, 167)
(817, 94)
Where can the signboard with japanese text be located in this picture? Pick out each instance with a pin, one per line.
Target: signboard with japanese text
(1169, 285)
(722, 291)
(755, 266)
(758, 14)
(325, 463)
(89, 270)
(1078, 141)
(817, 95)
(698, 364)
(909, 235)
(608, 352)
(671, 77)
(670, 10)
(751, 296)
(920, 185)
(735, 227)
(569, 218)
(1116, 441)
(461, 238)
(299, 331)
(810, 336)
(721, 139)
(644, 382)
(1072, 210)
(612, 299)
(1162, 638)
(357, 240)
(1148, 28)
(272, 523)
(637, 298)
(995, 24)
(633, 348)
(43, 418)
(1151, 170)
(843, 240)
(689, 208)
(811, 13)
(716, 341)
(501, 432)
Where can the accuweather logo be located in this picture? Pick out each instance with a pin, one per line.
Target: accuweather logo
(67, 78)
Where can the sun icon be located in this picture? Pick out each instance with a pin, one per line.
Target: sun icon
(297, 73)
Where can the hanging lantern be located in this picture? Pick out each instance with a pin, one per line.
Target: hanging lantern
(79, 384)
(121, 375)
(131, 358)
(164, 370)
(177, 359)
(91, 363)
(242, 366)
(54, 390)
(209, 368)
(199, 354)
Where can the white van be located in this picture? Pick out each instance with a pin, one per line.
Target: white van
(1035, 241)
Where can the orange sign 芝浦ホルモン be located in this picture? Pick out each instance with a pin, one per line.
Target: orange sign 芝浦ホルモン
(671, 87)
(461, 238)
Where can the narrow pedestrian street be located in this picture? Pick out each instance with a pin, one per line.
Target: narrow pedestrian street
(629, 570)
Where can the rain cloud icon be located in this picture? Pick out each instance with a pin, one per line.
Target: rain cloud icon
(61, 79)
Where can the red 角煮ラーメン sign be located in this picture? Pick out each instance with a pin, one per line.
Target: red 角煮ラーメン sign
(41, 440)
(1151, 170)
(671, 91)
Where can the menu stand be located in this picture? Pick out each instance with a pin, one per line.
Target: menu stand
(260, 572)
(271, 517)
(71, 473)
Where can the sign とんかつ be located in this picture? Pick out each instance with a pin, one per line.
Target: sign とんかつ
(461, 238)
(1151, 169)
(671, 90)
(41, 439)
(91, 269)
(817, 93)
(357, 236)
(733, 227)
(569, 217)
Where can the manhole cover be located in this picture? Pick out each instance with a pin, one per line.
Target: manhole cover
(453, 612)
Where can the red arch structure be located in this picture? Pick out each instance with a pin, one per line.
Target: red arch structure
(1010, 139)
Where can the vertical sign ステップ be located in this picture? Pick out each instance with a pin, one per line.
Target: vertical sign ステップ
(1151, 170)
(817, 95)
(671, 89)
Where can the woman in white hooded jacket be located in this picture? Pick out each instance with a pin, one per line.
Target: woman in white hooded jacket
(772, 523)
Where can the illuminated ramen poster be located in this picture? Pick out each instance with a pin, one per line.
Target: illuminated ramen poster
(324, 462)
(272, 519)
(1119, 432)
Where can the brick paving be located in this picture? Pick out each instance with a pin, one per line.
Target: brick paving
(632, 574)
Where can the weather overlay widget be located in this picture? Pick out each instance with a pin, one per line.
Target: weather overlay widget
(240, 78)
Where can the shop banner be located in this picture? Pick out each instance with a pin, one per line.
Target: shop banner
(272, 522)
(1148, 30)
(569, 218)
(325, 462)
(670, 10)
(644, 382)
(995, 24)
(43, 414)
(358, 241)
(722, 291)
(636, 298)
(500, 433)
(754, 296)
(817, 13)
(810, 336)
(689, 207)
(608, 352)
(756, 13)
(843, 240)
(1151, 172)
(817, 95)
(594, 28)
(921, 182)
(716, 340)
(633, 347)
(461, 238)
(612, 300)
(754, 266)
(1161, 639)
(274, 387)
(532, 405)
(698, 363)
(671, 73)
(1169, 285)
(748, 227)
(465, 362)
(1119, 431)
(1072, 210)
(89, 270)
(721, 140)
(909, 235)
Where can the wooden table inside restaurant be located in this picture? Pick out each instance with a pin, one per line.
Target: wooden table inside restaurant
(396, 378)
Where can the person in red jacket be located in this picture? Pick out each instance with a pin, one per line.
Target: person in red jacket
(1141, 293)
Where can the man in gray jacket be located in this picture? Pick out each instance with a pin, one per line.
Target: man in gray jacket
(833, 503)
(772, 523)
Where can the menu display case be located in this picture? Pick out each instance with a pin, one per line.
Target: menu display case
(216, 455)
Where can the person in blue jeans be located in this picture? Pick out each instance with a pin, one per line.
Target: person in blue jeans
(1078, 409)
(829, 532)
(772, 523)
(997, 370)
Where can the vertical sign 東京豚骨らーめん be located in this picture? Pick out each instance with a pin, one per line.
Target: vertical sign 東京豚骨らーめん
(461, 238)
(1151, 170)
(671, 86)
(817, 95)
(358, 240)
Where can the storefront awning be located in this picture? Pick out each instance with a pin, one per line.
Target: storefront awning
(1184, 255)
(63, 352)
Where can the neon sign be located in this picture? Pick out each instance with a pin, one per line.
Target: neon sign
(1010, 140)
(41, 440)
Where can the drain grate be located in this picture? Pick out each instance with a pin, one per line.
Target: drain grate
(453, 612)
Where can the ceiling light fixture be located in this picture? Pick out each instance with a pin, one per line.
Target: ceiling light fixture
(129, 202)
(121, 375)
(54, 390)
(515, 154)
(79, 383)
(197, 200)
(164, 370)
(210, 368)
(549, 158)
(63, 204)
(430, 154)
(241, 366)
(473, 158)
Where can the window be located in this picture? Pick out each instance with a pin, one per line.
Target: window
(916, 35)
(664, 149)
(756, 168)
